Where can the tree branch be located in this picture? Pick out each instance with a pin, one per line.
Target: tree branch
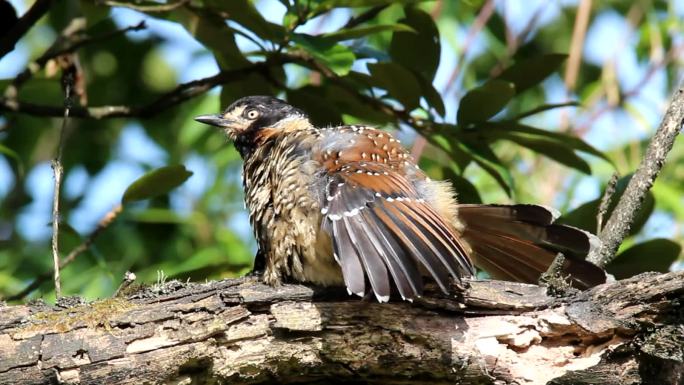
(9, 40)
(174, 97)
(619, 223)
(241, 331)
(65, 44)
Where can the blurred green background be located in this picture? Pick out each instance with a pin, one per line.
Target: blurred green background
(512, 101)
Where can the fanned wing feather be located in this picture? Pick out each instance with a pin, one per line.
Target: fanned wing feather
(371, 256)
(378, 218)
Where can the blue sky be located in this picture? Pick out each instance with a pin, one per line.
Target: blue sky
(609, 38)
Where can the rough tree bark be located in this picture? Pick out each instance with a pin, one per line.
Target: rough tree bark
(242, 332)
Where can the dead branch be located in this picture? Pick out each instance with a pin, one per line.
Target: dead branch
(618, 225)
(240, 331)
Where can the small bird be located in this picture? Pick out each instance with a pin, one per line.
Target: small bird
(347, 205)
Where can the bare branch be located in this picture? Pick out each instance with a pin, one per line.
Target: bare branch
(57, 168)
(9, 40)
(241, 331)
(606, 199)
(620, 221)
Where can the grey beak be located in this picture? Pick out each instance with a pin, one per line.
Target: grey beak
(214, 120)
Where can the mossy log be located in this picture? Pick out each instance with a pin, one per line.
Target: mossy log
(243, 332)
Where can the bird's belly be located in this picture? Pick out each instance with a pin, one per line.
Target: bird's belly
(321, 268)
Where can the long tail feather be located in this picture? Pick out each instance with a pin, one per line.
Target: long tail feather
(519, 242)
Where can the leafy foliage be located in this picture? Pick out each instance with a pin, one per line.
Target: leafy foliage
(381, 64)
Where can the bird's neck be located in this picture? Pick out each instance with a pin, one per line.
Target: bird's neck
(261, 140)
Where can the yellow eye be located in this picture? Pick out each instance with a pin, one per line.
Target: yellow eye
(252, 114)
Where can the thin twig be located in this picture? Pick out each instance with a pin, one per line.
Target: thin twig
(606, 199)
(10, 39)
(554, 279)
(127, 280)
(78, 250)
(58, 170)
(620, 221)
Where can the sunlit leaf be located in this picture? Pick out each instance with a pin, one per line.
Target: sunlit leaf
(319, 6)
(156, 182)
(334, 56)
(652, 255)
(363, 31)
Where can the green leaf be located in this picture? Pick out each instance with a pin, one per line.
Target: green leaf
(481, 103)
(212, 31)
(158, 215)
(432, 96)
(484, 157)
(312, 99)
(569, 140)
(530, 72)
(584, 216)
(334, 56)
(466, 192)
(319, 6)
(407, 91)
(552, 149)
(245, 13)
(359, 32)
(156, 182)
(8, 152)
(543, 108)
(349, 104)
(653, 255)
(251, 84)
(418, 51)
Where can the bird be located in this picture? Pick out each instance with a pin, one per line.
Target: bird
(348, 206)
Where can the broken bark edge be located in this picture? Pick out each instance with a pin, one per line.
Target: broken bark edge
(240, 331)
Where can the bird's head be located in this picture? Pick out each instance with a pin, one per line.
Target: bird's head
(251, 119)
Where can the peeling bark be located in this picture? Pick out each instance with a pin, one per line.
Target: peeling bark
(243, 332)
